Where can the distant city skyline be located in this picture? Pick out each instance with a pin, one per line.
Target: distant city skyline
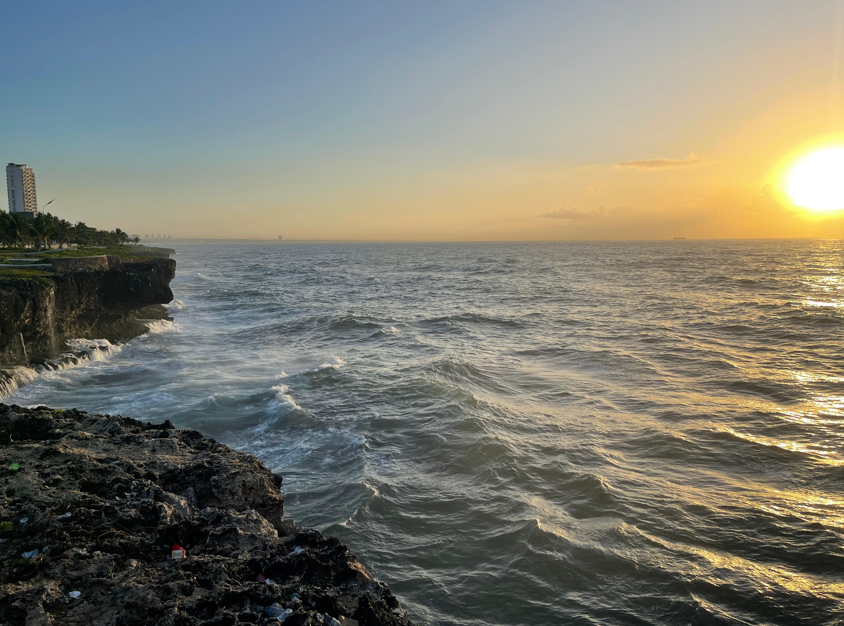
(434, 121)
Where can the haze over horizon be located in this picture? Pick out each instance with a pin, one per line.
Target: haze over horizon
(438, 121)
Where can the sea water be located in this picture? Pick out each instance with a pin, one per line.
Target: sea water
(531, 433)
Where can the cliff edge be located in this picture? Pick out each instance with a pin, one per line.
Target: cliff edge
(38, 314)
(94, 505)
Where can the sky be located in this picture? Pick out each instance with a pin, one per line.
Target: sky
(433, 121)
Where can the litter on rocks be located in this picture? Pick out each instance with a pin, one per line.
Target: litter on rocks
(297, 550)
(177, 552)
(277, 611)
(329, 621)
(64, 516)
(24, 520)
(30, 554)
(14, 467)
(75, 594)
(262, 578)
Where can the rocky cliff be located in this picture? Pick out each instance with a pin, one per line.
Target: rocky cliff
(93, 506)
(38, 314)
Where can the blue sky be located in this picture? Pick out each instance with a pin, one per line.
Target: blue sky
(432, 120)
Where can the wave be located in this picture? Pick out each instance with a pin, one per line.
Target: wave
(96, 349)
(157, 327)
(15, 377)
(81, 351)
(473, 318)
(175, 305)
(335, 364)
(283, 399)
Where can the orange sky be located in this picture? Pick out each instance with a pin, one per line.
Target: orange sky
(477, 121)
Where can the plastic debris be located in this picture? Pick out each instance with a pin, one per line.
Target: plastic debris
(5, 526)
(14, 467)
(24, 520)
(297, 550)
(294, 597)
(262, 578)
(329, 621)
(177, 552)
(63, 516)
(75, 594)
(30, 554)
(277, 611)
(132, 563)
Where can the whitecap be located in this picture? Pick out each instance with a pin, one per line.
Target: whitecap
(96, 349)
(15, 377)
(283, 398)
(156, 327)
(336, 363)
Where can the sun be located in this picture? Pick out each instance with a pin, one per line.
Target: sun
(816, 181)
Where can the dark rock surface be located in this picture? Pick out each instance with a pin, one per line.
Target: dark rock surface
(37, 315)
(103, 499)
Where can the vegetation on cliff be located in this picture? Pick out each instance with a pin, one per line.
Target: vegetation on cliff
(18, 231)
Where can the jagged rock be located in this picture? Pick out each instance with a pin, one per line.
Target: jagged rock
(134, 489)
(39, 314)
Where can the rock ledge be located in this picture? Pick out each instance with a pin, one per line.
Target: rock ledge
(103, 499)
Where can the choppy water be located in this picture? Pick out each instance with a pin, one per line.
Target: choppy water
(561, 433)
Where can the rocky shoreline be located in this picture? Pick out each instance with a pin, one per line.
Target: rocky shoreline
(107, 298)
(94, 505)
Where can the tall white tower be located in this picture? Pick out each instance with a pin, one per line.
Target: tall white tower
(20, 180)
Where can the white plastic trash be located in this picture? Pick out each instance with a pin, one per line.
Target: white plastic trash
(75, 594)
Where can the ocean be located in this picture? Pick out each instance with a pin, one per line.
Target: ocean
(526, 433)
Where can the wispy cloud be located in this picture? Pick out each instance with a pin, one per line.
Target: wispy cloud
(664, 164)
(568, 213)
(573, 213)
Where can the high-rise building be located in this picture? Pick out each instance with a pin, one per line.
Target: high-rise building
(20, 181)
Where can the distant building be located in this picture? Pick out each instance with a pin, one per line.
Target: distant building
(20, 181)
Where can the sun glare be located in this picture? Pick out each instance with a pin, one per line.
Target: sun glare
(816, 181)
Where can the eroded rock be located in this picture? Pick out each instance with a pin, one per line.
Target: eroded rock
(105, 497)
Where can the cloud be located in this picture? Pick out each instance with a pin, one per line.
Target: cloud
(573, 213)
(664, 164)
(568, 213)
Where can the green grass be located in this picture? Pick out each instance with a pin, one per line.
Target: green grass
(20, 273)
(124, 252)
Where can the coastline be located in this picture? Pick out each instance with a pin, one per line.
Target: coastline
(95, 503)
(104, 298)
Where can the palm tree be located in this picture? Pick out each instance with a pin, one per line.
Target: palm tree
(61, 231)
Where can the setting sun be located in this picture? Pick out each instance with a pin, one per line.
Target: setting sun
(816, 182)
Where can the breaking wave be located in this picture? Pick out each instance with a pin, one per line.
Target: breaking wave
(81, 351)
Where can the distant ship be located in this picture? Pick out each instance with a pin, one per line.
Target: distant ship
(679, 238)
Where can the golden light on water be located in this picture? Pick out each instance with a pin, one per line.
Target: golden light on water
(816, 181)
